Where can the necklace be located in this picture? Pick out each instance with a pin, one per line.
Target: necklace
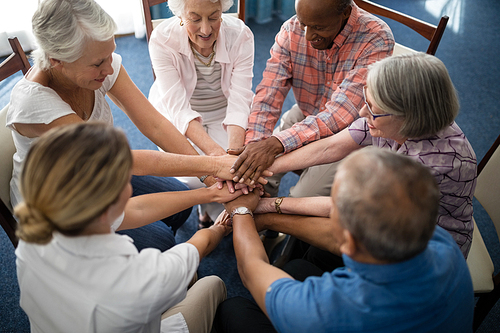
(212, 55)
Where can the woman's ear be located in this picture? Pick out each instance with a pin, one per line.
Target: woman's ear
(349, 246)
(54, 63)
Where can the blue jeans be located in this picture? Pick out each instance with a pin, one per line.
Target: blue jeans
(160, 234)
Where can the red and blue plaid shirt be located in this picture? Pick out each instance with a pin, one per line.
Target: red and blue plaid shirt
(327, 84)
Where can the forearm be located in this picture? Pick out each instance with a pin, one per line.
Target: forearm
(312, 206)
(253, 264)
(317, 231)
(206, 240)
(157, 163)
(236, 136)
(327, 150)
(148, 120)
(145, 209)
(202, 140)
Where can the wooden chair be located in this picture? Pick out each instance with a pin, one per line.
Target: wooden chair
(486, 285)
(17, 61)
(429, 31)
(151, 24)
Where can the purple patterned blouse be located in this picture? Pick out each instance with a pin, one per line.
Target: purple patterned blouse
(452, 162)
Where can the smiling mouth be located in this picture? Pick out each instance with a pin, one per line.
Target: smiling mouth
(205, 37)
(100, 80)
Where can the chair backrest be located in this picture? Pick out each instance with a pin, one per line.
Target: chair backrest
(488, 194)
(151, 24)
(429, 31)
(488, 184)
(17, 61)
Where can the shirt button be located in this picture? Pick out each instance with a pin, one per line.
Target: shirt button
(328, 82)
(322, 108)
(269, 289)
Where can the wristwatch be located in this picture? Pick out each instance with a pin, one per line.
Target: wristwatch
(240, 211)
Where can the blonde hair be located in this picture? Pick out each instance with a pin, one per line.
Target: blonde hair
(71, 175)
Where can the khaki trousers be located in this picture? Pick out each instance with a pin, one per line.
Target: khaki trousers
(314, 181)
(200, 304)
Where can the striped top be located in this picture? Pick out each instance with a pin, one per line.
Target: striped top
(207, 95)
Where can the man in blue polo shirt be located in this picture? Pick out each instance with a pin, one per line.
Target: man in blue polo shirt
(402, 272)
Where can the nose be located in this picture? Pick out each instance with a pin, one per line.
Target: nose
(107, 69)
(205, 28)
(364, 111)
(309, 33)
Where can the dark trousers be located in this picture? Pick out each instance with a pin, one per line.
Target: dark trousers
(242, 315)
(160, 234)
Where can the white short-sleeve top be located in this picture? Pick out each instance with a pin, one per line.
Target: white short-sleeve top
(101, 283)
(33, 103)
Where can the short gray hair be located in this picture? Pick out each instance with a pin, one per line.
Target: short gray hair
(63, 27)
(417, 87)
(388, 202)
(177, 7)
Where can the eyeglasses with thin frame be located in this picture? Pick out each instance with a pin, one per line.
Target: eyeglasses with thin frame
(374, 116)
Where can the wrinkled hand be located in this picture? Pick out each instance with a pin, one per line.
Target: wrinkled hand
(255, 158)
(250, 201)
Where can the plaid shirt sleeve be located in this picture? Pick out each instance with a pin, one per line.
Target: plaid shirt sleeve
(327, 84)
(272, 90)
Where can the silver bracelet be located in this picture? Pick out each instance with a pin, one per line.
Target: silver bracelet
(202, 178)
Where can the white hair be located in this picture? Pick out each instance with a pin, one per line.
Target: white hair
(177, 7)
(62, 29)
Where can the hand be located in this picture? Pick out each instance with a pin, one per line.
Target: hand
(223, 195)
(250, 201)
(225, 221)
(255, 158)
(226, 162)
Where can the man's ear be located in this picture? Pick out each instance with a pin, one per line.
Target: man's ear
(347, 13)
(349, 246)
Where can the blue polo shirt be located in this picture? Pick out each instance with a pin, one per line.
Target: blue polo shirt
(431, 292)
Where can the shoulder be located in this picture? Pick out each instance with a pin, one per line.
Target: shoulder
(367, 28)
(447, 150)
(235, 30)
(168, 31)
(366, 22)
(31, 102)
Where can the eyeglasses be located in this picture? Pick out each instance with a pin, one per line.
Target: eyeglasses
(374, 116)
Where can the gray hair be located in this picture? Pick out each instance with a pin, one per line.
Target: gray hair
(63, 27)
(388, 202)
(417, 87)
(177, 7)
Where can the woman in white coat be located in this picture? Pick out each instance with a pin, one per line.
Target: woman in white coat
(203, 62)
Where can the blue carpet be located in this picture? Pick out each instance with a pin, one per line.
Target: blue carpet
(469, 49)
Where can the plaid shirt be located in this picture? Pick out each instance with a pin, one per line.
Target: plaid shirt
(327, 84)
